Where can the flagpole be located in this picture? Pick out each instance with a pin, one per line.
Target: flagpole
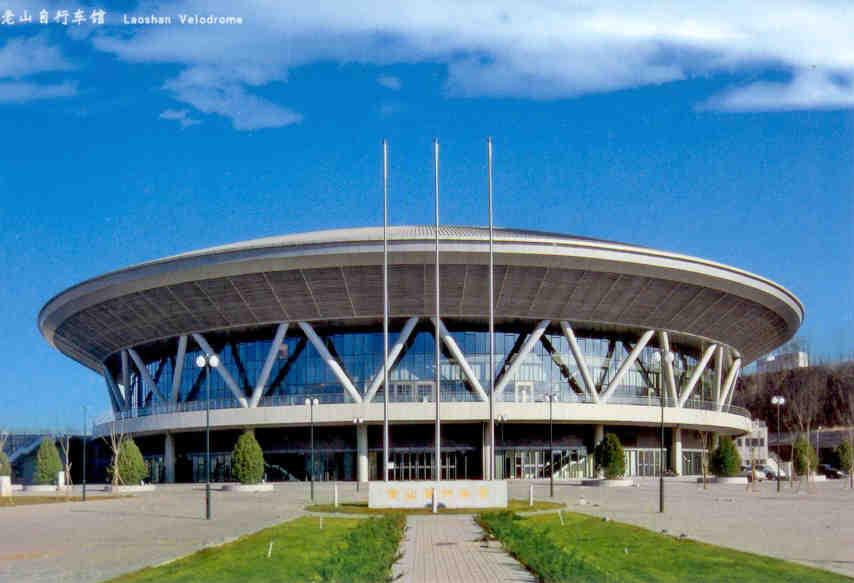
(438, 473)
(385, 313)
(491, 325)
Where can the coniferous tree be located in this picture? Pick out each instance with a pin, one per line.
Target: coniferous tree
(247, 460)
(48, 464)
(725, 461)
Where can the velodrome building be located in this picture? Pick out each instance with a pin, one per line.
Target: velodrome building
(610, 331)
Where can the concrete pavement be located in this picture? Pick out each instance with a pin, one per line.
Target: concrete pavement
(449, 549)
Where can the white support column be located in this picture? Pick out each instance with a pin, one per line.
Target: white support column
(580, 361)
(667, 364)
(728, 401)
(523, 352)
(393, 355)
(729, 383)
(696, 374)
(486, 448)
(113, 389)
(179, 368)
(264, 376)
(223, 371)
(362, 452)
(146, 376)
(169, 458)
(461, 360)
(676, 451)
(333, 364)
(626, 364)
(598, 437)
(125, 386)
(719, 372)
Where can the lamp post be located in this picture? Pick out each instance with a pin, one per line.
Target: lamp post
(552, 397)
(502, 419)
(311, 403)
(668, 356)
(85, 443)
(818, 443)
(358, 421)
(207, 362)
(778, 401)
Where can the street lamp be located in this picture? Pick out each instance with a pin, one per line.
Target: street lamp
(357, 421)
(668, 357)
(552, 397)
(818, 443)
(502, 419)
(85, 443)
(311, 403)
(778, 401)
(207, 362)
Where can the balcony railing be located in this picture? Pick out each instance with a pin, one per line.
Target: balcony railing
(534, 393)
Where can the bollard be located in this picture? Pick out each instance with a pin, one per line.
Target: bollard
(270, 550)
(435, 498)
(321, 523)
(335, 494)
(530, 494)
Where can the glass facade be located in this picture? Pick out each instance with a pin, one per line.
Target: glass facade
(299, 371)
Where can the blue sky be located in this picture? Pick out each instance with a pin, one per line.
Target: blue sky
(717, 132)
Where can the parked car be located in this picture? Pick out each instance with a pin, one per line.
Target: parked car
(748, 473)
(830, 472)
(771, 473)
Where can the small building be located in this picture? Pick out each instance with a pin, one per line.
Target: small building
(754, 445)
(780, 362)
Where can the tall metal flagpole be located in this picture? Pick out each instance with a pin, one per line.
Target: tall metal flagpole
(491, 326)
(438, 473)
(385, 311)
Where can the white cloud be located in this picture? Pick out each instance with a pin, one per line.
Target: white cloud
(25, 57)
(212, 91)
(544, 50)
(806, 90)
(390, 82)
(182, 116)
(23, 91)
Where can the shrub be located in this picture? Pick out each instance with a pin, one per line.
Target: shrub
(132, 468)
(369, 551)
(725, 461)
(247, 460)
(48, 463)
(803, 456)
(5, 466)
(844, 455)
(610, 458)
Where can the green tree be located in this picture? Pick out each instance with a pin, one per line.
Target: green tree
(247, 460)
(844, 453)
(5, 466)
(132, 469)
(609, 457)
(48, 463)
(803, 456)
(725, 461)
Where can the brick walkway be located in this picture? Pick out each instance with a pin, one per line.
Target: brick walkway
(448, 548)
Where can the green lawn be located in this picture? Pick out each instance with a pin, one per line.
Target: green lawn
(588, 549)
(345, 549)
(362, 508)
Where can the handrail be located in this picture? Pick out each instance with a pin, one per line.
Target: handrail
(449, 395)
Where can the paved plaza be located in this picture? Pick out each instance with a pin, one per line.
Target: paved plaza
(448, 549)
(101, 539)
